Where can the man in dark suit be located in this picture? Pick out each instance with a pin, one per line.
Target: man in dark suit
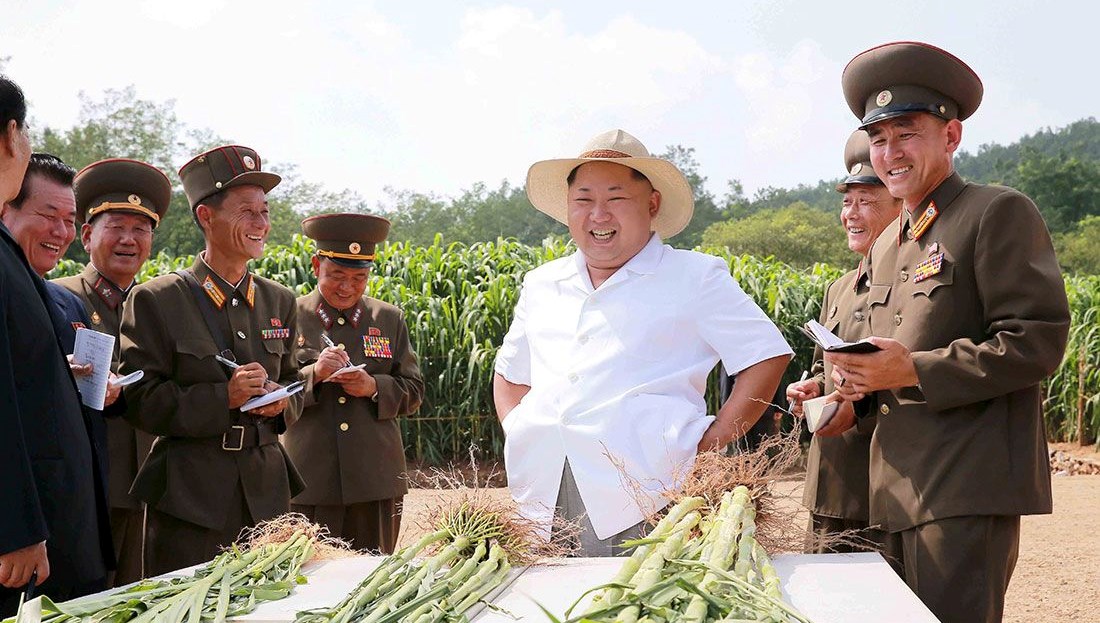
(49, 492)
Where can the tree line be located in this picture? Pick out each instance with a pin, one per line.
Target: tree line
(1058, 168)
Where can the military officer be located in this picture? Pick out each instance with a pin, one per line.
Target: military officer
(213, 469)
(837, 467)
(971, 311)
(348, 442)
(119, 203)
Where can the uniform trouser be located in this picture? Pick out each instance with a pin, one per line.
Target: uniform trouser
(172, 543)
(373, 525)
(959, 567)
(127, 534)
(836, 535)
(570, 507)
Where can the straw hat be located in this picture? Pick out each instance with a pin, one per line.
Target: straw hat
(548, 190)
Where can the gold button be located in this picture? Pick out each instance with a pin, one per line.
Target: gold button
(240, 334)
(884, 409)
(897, 319)
(344, 426)
(341, 320)
(341, 400)
(904, 276)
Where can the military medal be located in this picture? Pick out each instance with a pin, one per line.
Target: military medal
(929, 267)
(925, 221)
(95, 318)
(374, 345)
(278, 333)
(78, 325)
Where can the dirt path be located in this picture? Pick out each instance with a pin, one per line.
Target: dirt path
(1057, 577)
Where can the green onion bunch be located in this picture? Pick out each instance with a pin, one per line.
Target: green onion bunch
(696, 566)
(232, 584)
(468, 556)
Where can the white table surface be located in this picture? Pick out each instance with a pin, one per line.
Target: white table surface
(826, 588)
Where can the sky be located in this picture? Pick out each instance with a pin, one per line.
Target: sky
(435, 96)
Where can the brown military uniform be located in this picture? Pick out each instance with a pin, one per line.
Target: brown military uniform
(212, 470)
(127, 447)
(836, 488)
(349, 448)
(977, 296)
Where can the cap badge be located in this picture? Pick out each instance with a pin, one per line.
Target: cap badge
(884, 98)
(134, 199)
(249, 163)
(856, 168)
(354, 247)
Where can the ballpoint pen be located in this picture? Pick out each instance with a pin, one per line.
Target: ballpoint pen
(805, 375)
(328, 342)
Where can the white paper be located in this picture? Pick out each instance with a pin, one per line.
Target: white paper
(129, 379)
(819, 412)
(97, 349)
(270, 397)
(344, 370)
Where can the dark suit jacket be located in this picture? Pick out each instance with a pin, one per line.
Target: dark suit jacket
(49, 491)
(67, 313)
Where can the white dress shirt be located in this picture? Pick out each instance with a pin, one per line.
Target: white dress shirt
(617, 375)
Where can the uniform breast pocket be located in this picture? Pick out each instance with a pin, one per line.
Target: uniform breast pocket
(194, 356)
(273, 353)
(307, 356)
(928, 285)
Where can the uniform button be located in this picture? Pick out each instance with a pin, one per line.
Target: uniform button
(341, 400)
(897, 319)
(341, 321)
(344, 426)
(884, 409)
(340, 346)
(235, 302)
(240, 334)
(859, 316)
(904, 276)
(909, 234)
(573, 378)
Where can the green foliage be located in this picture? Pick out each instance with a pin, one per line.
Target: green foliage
(1079, 250)
(795, 235)
(458, 301)
(1072, 394)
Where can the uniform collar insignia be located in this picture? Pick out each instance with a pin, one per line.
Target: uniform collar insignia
(329, 314)
(250, 293)
(324, 315)
(213, 291)
(861, 274)
(111, 294)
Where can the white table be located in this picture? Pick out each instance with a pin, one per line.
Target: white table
(826, 588)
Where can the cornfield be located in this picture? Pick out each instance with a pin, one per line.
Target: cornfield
(458, 302)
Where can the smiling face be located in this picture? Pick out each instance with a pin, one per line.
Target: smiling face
(45, 225)
(118, 243)
(340, 286)
(237, 228)
(611, 213)
(868, 209)
(912, 154)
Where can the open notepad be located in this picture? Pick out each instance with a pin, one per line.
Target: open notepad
(828, 340)
(278, 394)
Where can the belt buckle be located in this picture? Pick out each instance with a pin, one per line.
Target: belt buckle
(240, 439)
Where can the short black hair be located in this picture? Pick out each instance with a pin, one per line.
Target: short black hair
(48, 166)
(13, 106)
(214, 201)
(634, 173)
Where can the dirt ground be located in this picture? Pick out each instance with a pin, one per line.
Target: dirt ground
(1057, 577)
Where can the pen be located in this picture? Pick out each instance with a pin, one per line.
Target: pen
(331, 344)
(232, 365)
(805, 375)
(28, 594)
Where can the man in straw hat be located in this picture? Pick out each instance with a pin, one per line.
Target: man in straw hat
(971, 314)
(208, 339)
(837, 467)
(119, 203)
(607, 357)
(348, 441)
